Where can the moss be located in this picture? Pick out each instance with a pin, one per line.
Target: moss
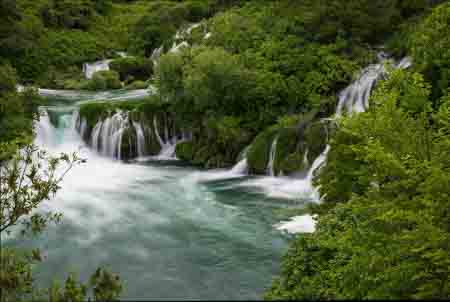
(292, 163)
(93, 112)
(128, 148)
(201, 156)
(258, 153)
(287, 144)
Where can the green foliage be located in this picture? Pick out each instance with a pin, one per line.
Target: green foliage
(361, 21)
(216, 81)
(169, 75)
(8, 79)
(162, 19)
(94, 111)
(57, 50)
(185, 151)
(17, 111)
(73, 14)
(289, 157)
(434, 61)
(137, 85)
(104, 80)
(18, 282)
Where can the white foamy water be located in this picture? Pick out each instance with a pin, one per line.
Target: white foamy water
(298, 224)
(88, 96)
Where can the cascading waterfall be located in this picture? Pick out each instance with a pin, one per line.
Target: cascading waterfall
(45, 131)
(107, 135)
(241, 168)
(317, 164)
(355, 98)
(272, 155)
(179, 41)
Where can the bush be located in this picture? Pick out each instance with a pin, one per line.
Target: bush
(8, 79)
(137, 85)
(106, 79)
(71, 14)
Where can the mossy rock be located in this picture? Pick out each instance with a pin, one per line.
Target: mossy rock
(292, 163)
(201, 156)
(258, 153)
(316, 137)
(128, 148)
(287, 145)
(185, 151)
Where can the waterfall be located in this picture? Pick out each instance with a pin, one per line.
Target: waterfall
(241, 167)
(179, 41)
(107, 135)
(79, 124)
(156, 54)
(355, 98)
(140, 137)
(272, 155)
(168, 145)
(158, 137)
(177, 46)
(45, 131)
(305, 158)
(405, 63)
(317, 164)
(90, 68)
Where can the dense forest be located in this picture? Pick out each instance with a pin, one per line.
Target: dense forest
(234, 74)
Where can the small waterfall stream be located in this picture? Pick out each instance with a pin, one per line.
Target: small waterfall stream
(90, 68)
(140, 138)
(179, 41)
(168, 144)
(272, 155)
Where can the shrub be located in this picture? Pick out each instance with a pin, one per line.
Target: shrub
(106, 79)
